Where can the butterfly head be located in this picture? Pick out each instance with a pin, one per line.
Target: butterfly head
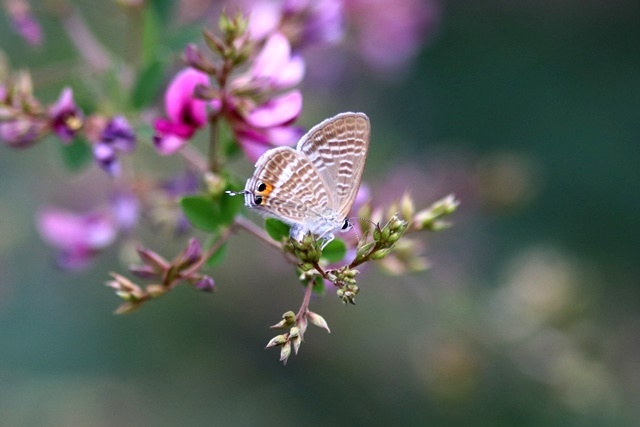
(256, 194)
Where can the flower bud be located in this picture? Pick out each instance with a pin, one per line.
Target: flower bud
(296, 344)
(318, 320)
(156, 291)
(285, 352)
(380, 253)
(407, 207)
(195, 59)
(205, 284)
(153, 260)
(277, 340)
(189, 256)
(127, 307)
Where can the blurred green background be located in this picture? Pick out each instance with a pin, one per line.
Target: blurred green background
(529, 111)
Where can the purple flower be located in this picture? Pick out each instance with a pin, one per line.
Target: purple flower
(78, 237)
(23, 21)
(66, 118)
(22, 132)
(185, 114)
(125, 207)
(205, 284)
(117, 136)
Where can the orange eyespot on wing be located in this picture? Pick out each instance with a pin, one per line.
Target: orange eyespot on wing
(264, 189)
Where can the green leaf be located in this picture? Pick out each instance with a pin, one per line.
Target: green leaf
(76, 155)
(201, 212)
(147, 85)
(217, 257)
(318, 286)
(276, 229)
(229, 207)
(334, 251)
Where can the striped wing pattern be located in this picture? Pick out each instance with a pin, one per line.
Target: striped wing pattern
(338, 149)
(314, 187)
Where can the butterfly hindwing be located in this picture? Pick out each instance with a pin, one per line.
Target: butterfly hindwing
(338, 149)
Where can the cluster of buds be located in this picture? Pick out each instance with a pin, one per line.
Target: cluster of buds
(308, 251)
(348, 293)
(431, 218)
(23, 120)
(297, 325)
(234, 47)
(164, 274)
(345, 279)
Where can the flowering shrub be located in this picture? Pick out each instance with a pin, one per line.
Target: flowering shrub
(241, 86)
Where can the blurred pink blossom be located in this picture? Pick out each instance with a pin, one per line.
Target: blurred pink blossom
(304, 22)
(23, 21)
(77, 236)
(390, 34)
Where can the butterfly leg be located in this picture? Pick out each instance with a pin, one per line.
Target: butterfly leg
(326, 239)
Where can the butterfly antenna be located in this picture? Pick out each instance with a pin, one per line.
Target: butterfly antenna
(236, 193)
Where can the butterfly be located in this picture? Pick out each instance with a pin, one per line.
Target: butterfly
(313, 187)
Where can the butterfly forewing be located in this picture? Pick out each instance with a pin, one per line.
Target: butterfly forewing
(338, 149)
(287, 185)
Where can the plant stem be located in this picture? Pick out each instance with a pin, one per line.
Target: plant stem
(304, 308)
(214, 164)
(258, 232)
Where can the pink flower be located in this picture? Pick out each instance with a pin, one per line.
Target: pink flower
(185, 114)
(78, 237)
(268, 125)
(262, 120)
(390, 34)
(304, 22)
(23, 21)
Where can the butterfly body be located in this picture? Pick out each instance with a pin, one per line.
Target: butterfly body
(313, 187)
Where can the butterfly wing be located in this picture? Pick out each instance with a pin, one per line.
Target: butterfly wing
(286, 185)
(338, 149)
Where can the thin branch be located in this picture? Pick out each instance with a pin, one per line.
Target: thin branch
(258, 232)
(214, 164)
(304, 307)
(93, 52)
(194, 158)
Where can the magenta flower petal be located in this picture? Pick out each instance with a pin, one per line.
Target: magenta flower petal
(291, 73)
(168, 144)
(253, 148)
(275, 66)
(276, 111)
(272, 57)
(179, 102)
(284, 135)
